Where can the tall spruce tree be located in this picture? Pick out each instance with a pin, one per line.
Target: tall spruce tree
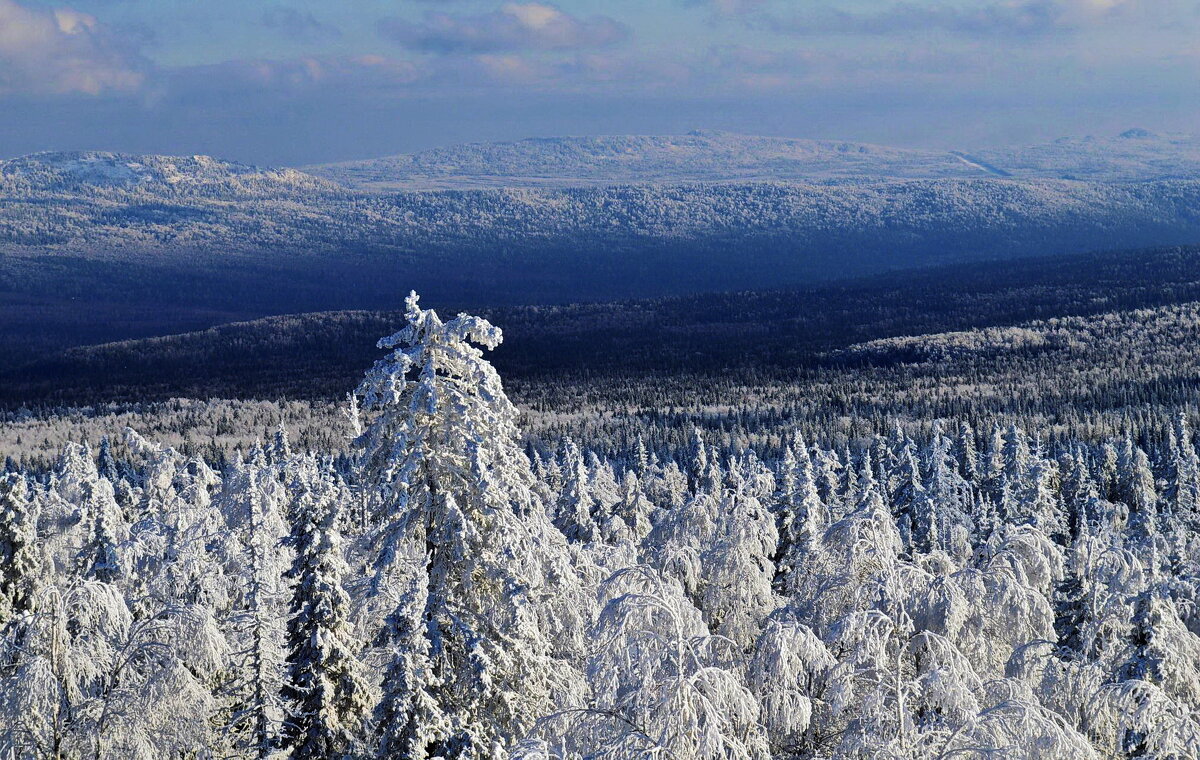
(491, 605)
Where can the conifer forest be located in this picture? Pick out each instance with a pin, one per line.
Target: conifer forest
(445, 586)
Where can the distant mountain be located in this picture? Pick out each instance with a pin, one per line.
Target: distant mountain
(1135, 156)
(117, 207)
(102, 246)
(95, 171)
(702, 156)
(320, 245)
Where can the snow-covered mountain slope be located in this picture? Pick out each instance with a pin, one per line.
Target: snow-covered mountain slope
(547, 244)
(968, 314)
(147, 235)
(99, 171)
(1136, 155)
(114, 208)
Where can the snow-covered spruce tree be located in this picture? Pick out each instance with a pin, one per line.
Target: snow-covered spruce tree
(574, 514)
(907, 493)
(1080, 496)
(253, 500)
(942, 514)
(991, 470)
(492, 611)
(966, 453)
(327, 692)
(18, 547)
(630, 521)
(1138, 489)
(826, 475)
(800, 516)
(698, 461)
(106, 463)
(1183, 483)
(98, 558)
(641, 458)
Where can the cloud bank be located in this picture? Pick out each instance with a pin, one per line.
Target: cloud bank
(1011, 18)
(139, 75)
(63, 51)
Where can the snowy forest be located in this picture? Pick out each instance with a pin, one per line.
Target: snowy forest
(443, 585)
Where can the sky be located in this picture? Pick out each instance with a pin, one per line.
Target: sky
(301, 81)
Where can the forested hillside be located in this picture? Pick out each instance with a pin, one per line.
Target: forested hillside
(441, 589)
(152, 245)
(740, 337)
(1080, 378)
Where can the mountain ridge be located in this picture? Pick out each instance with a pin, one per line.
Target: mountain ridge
(104, 246)
(703, 155)
(97, 169)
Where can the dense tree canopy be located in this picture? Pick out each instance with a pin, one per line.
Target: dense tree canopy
(956, 589)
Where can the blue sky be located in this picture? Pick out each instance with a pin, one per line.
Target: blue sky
(298, 81)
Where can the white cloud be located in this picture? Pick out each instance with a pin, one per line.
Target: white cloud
(63, 51)
(298, 25)
(984, 19)
(514, 26)
(295, 76)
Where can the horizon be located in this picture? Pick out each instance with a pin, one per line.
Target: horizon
(698, 131)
